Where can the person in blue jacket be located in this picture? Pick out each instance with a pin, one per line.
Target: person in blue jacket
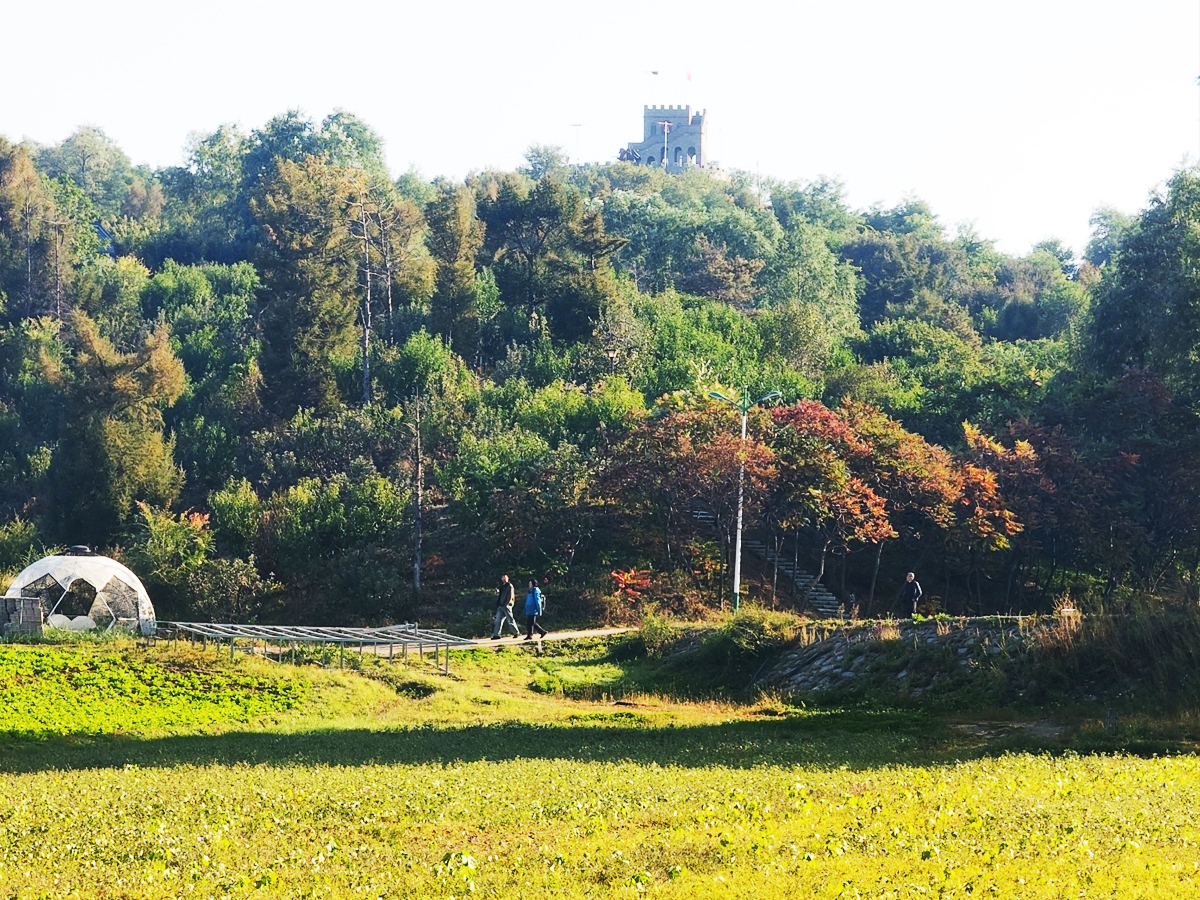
(535, 605)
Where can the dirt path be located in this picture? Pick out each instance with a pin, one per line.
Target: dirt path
(552, 636)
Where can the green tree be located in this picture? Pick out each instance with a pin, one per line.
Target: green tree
(1034, 298)
(310, 273)
(206, 212)
(333, 543)
(398, 255)
(911, 216)
(910, 274)
(665, 221)
(1109, 229)
(543, 159)
(113, 450)
(932, 374)
(209, 309)
(688, 334)
(110, 292)
(352, 143)
(711, 271)
(1146, 310)
(455, 239)
(26, 238)
(548, 253)
(820, 203)
(94, 162)
(525, 223)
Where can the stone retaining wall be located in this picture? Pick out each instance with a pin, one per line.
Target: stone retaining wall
(21, 615)
(905, 655)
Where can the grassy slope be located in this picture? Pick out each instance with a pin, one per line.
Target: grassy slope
(414, 784)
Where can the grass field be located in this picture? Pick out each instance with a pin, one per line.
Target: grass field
(146, 773)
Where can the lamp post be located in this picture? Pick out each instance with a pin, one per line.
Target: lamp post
(743, 405)
(611, 353)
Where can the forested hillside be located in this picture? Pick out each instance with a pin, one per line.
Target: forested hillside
(282, 385)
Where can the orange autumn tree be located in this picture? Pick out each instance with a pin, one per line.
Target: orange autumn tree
(918, 481)
(984, 522)
(1067, 505)
(819, 487)
(682, 460)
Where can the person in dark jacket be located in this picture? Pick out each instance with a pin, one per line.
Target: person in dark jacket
(911, 591)
(535, 605)
(505, 599)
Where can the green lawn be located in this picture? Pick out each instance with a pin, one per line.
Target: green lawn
(314, 783)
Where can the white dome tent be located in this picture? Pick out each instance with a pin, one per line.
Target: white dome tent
(120, 598)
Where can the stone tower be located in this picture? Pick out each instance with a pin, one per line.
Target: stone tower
(673, 136)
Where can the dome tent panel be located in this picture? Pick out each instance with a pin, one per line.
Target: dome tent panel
(117, 595)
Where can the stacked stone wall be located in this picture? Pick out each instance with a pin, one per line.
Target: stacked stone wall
(882, 654)
(21, 615)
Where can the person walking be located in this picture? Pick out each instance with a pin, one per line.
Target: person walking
(911, 591)
(505, 599)
(535, 605)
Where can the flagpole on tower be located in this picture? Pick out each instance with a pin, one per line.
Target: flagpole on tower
(666, 127)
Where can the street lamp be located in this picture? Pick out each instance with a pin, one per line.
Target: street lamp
(744, 406)
(611, 353)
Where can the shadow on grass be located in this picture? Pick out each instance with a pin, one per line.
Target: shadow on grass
(855, 739)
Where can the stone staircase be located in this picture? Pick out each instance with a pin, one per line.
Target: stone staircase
(821, 600)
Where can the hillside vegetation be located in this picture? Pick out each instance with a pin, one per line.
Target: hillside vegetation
(284, 385)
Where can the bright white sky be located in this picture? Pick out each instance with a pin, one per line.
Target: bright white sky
(1019, 118)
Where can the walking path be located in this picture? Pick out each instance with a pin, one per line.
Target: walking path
(553, 636)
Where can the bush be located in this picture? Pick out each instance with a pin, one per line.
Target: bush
(1150, 654)
(656, 633)
(19, 545)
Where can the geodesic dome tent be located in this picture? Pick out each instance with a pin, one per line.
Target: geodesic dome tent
(81, 591)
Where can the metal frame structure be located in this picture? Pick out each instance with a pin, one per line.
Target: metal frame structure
(281, 636)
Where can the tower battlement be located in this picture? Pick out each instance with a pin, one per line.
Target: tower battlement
(672, 136)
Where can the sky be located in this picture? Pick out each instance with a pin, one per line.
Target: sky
(1017, 120)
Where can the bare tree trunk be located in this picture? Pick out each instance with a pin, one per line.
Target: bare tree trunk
(691, 569)
(796, 565)
(418, 484)
(366, 349)
(385, 250)
(1012, 576)
(875, 576)
(777, 541)
(366, 309)
(820, 573)
(58, 285)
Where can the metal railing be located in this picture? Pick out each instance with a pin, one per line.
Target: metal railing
(403, 636)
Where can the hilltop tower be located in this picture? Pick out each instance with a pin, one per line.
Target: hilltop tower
(673, 136)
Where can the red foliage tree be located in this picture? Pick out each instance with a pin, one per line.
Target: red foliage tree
(818, 453)
(679, 467)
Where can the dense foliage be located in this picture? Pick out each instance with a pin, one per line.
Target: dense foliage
(286, 385)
